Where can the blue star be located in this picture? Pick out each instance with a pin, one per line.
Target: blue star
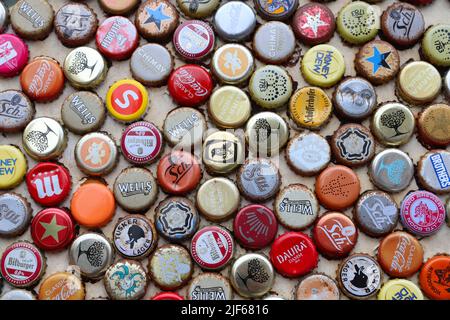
(156, 16)
(378, 60)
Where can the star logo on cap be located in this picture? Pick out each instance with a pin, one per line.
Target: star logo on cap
(378, 60)
(52, 229)
(156, 16)
(313, 22)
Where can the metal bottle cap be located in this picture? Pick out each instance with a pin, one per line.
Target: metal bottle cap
(61, 286)
(126, 280)
(4, 17)
(447, 85)
(235, 21)
(274, 42)
(18, 294)
(232, 63)
(184, 127)
(400, 289)
(229, 107)
(222, 152)
(210, 286)
(317, 287)
(85, 68)
(16, 213)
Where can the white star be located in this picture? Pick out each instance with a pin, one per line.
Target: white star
(313, 22)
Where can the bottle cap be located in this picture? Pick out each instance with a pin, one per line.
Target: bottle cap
(170, 267)
(61, 286)
(376, 213)
(184, 127)
(317, 287)
(420, 2)
(314, 23)
(127, 100)
(83, 112)
(293, 254)
(16, 111)
(135, 189)
(190, 85)
(433, 45)
(156, 20)
(337, 187)
(194, 40)
(13, 63)
(18, 294)
(176, 219)
(234, 21)
(232, 64)
(212, 247)
(353, 145)
(75, 24)
(194, 9)
(141, 143)
(118, 7)
(209, 286)
(117, 38)
(223, 152)
(22, 264)
(42, 80)
(359, 276)
(49, 183)
(400, 254)
(431, 277)
(274, 42)
(218, 199)
(229, 107)
(93, 204)
(167, 296)
(96, 154)
(252, 275)
(296, 207)
(13, 166)
(280, 11)
(120, 275)
(16, 212)
(433, 125)
(85, 68)
(433, 171)
(310, 108)
(323, 66)
(422, 213)
(134, 237)
(308, 153)
(447, 86)
(4, 17)
(44, 138)
(92, 253)
(32, 19)
(400, 289)
(391, 170)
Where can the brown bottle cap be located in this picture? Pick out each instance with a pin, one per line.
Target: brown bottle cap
(156, 20)
(118, 7)
(16, 111)
(32, 19)
(317, 287)
(434, 125)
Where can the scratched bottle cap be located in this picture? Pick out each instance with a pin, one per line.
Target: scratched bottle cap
(126, 280)
(165, 295)
(433, 171)
(16, 111)
(308, 153)
(209, 286)
(127, 100)
(22, 264)
(400, 289)
(184, 127)
(323, 66)
(18, 294)
(433, 45)
(212, 247)
(252, 275)
(85, 68)
(115, 7)
(229, 107)
(255, 226)
(135, 189)
(170, 267)
(317, 286)
(4, 17)
(296, 207)
(352, 145)
(314, 23)
(393, 124)
(218, 199)
(92, 253)
(280, 11)
(44, 138)
(96, 154)
(49, 183)
(274, 42)
(422, 213)
(61, 286)
(293, 254)
(223, 152)
(434, 126)
(391, 170)
(258, 179)
(13, 166)
(431, 277)
(16, 60)
(83, 112)
(176, 219)
(194, 40)
(232, 64)
(16, 212)
(418, 83)
(141, 143)
(156, 20)
(32, 19)
(310, 108)
(234, 21)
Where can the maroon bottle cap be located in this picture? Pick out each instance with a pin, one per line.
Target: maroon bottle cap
(314, 23)
(255, 226)
(141, 143)
(190, 85)
(194, 40)
(48, 183)
(14, 55)
(167, 296)
(419, 2)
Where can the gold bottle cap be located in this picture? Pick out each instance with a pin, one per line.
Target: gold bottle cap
(44, 138)
(222, 152)
(210, 286)
(61, 286)
(266, 133)
(229, 107)
(85, 68)
(232, 63)
(434, 125)
(393, 124)
(310, 108)
(419, 83)
(218, 199)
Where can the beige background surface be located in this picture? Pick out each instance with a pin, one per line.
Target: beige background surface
(161, 104)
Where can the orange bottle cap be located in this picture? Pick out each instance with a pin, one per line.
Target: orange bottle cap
(433, 278)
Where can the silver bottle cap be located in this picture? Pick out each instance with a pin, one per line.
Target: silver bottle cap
(235, 21)
(4, 17)
(18, 294)
(210, 286)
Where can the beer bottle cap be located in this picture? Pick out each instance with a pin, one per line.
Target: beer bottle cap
(274, 42)
(4, 17)
(13, 166)
(313, 23)
(167, 296)
(310, 108)
(282, 11)
(434, 126)
(13, 64)
(400, 289)
(17, 111)
(16, 214)
(209, 286)
(238, 70)
(323, 66)
(433, 171)
(223, 152)
(61, 286)
(127, 100)
(156, 20)
(432, 42)
(118, 7)
(197, 10)
(184, 127)
(18, 294)
(317, 286)
(229, 107)
(118, 277)
(194, 40)
(234, 21)
(32, 19)
(431, 277)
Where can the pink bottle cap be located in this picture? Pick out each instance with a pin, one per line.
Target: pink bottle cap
(13, 55)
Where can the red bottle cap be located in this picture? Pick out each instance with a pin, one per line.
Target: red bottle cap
(194, 39)
(117, 38)
(293, 254)
(190, 85)
(141, 142)
(52, 229)
(49, 183)
(314, 23)
(167, 296)
(255, 226)
(13, 55)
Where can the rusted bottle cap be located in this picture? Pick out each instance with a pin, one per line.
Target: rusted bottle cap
(16, 111)
(317, 287)
(314, 23)
(156, 20)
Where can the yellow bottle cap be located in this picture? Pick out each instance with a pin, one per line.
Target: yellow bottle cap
(400, 289)
(435, 45)
(127, 100)
(358, 22)
(229, 107)
(13, 166)
(310, 107)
